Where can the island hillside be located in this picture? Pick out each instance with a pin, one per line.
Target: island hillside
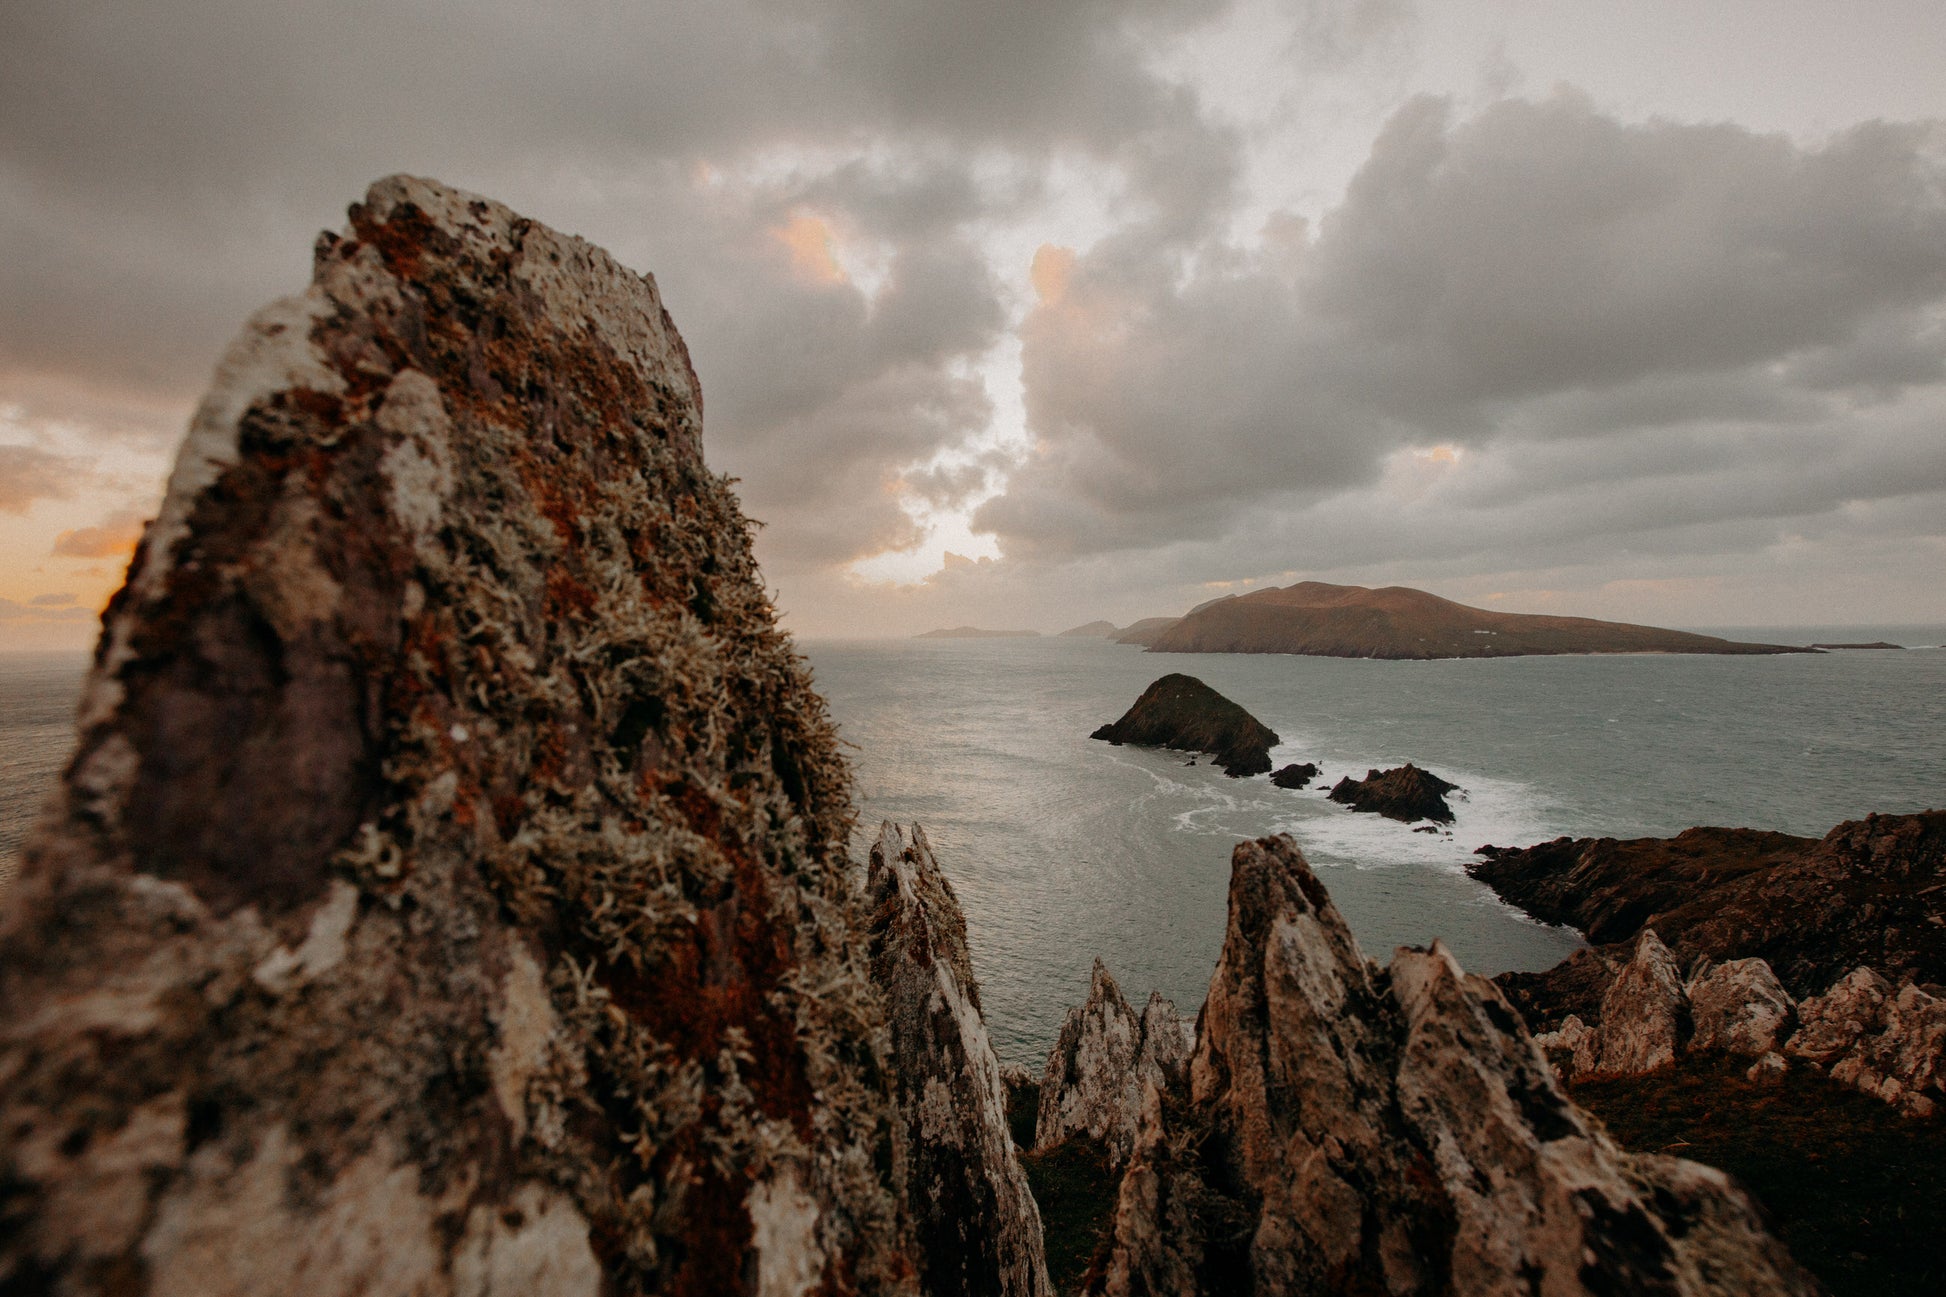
(974, 632)
(1144, 632)
(1317, 619)
(1092, 630)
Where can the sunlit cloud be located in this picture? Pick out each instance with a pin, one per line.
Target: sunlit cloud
(114, 537)
(809, 240)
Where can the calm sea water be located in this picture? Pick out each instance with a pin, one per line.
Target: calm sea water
(1063, 849)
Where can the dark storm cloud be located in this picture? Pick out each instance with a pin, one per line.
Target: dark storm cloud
(1541, 272)
(164, 166)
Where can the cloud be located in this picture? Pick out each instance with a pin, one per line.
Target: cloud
(1539, 273)
(14, 610)
(114, 537)
(28, 473)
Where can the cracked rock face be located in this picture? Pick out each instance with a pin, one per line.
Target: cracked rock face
(1357, 1129)
(1741, 1008)
(976, 1228)
(1106, 1055)
(1889, 1044)
(1643, 1016)
(448, 892)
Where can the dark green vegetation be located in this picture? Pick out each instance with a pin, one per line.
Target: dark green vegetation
(1075, 1191)
(1852, 1187)
(1183, 713)
(1318, 619)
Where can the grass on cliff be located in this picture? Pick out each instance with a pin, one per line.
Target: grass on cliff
(1853, 1188)
(1075, 1191)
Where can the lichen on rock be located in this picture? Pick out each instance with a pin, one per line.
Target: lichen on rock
(454, 846)
(1106, 1056)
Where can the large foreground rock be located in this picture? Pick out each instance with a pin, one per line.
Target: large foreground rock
(1182, 712)
(1352, 1129)
(977, 1232)
(1105, 1057)
(448, 892)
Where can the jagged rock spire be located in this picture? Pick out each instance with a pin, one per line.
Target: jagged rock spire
(1106, 1054)
(1352, 1129)
(449, 891)
(976, 1228)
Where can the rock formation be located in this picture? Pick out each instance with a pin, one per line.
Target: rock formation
(1183, 713)
(1404, 793)
(1645, 1015)
(1886, 1043)
(1097, 1071)
(1318, 619)
(1872, 892)
(1740, 1007)
(1296, 775)
(1351, 1129)
(976, 1230)
(449, 892)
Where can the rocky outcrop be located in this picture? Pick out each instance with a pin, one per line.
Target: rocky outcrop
(1644, 1016)
(1296, 775)
(1319, 619)
(1351, 1129)
(976, 1229)
(1871, 892)
(1105, 1058)
(448, 893)
(1886, 1043)
(1404, 793)
(1740, 1008)
(1183, 713)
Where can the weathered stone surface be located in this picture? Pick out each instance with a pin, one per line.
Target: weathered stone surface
(1296, 775)
(1740, 1008)
(1644, 1016)
(448, 893)
(1351, 1129)
(1105, 1056)
(1181, 712)
(1404, 793)
(1572, 1049)
(1886, 1043)
(976, 1229)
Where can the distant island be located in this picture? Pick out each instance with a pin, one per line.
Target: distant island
(974, 632)
(1875, 644)
(1093, 630)
(1318, 619)
(1145, 631)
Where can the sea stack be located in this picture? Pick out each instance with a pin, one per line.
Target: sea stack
(1183, 713)
(1404, 793)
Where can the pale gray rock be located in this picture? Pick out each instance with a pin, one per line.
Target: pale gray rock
(1769, 1069)
(449, 893)
(1643, 1014)
(1092, 1085)
(1889, 1045)
(1740, 1007)
(1352, 1129)
(1571, 1049)
(977, 1231)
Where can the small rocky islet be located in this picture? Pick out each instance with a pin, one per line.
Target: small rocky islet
(1182, 713)
(509, 939)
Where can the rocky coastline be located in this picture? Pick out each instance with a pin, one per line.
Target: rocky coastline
(451, 895)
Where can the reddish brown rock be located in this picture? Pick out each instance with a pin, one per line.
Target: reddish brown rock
(448, 893)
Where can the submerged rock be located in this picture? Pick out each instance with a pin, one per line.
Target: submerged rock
(1352, 1129)
(449, 889)
(1096, 1072)
(1404, 793)
(1183, 713)
(976, 1229)
(1296, 775)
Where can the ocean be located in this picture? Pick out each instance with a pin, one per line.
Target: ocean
(1063, 849)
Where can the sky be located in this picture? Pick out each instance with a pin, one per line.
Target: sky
(1022, 314)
